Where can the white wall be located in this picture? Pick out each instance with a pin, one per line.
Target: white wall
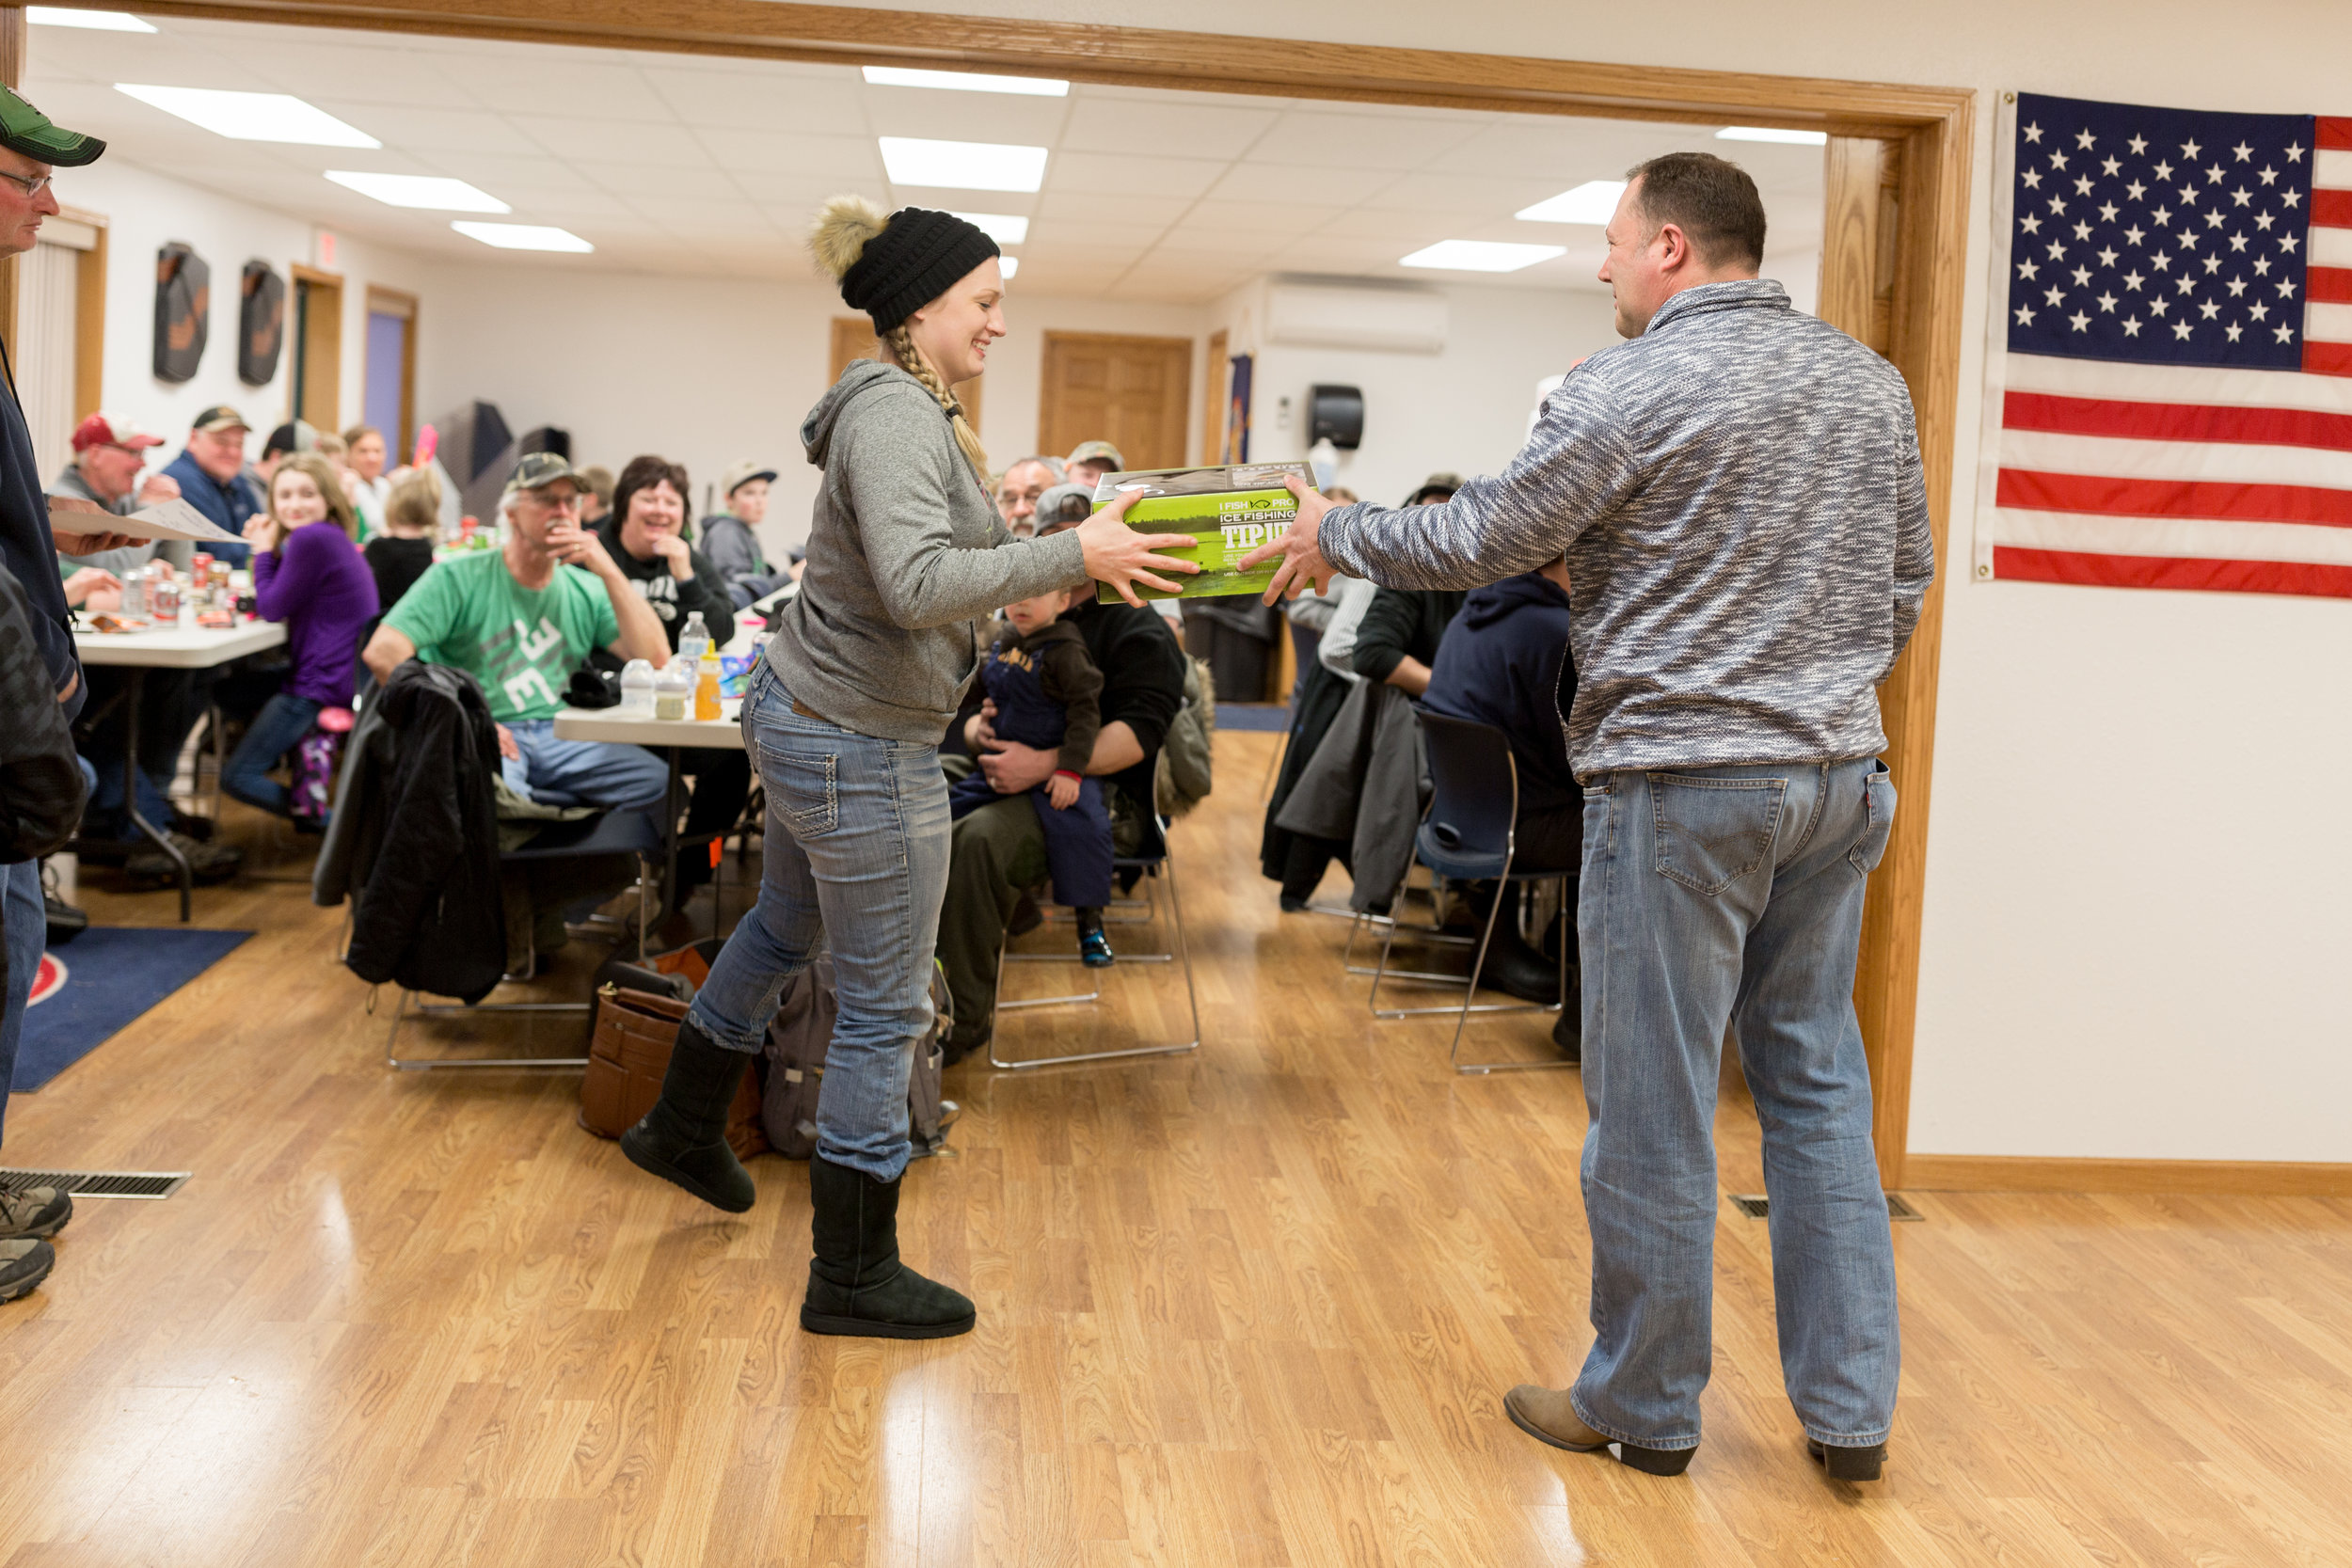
(2134, 931)
(143, 212)
(705, 372)
(1462, 409)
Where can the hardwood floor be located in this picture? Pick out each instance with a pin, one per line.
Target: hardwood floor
(1255, 1305)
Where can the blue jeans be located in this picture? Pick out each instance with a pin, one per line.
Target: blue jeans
(1731, 895)
(583, 773)
(26, 921)
(856, 859)
(278, 729)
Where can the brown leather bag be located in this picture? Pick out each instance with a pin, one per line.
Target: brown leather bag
(628, 1056)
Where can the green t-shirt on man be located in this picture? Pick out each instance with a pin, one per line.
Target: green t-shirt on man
(470, 613)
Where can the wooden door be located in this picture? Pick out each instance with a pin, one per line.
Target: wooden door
(1133, 392)
(1878, 225)
(1212, 373)
(853, 339)
(316, 392)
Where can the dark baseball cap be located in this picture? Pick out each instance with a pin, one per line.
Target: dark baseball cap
(26, 130)
(539, 470)
(220, 416)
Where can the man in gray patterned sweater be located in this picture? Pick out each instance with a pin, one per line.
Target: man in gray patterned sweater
(1737, 493)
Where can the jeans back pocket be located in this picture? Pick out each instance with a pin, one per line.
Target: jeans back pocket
(1711, 832)
(1877, 801)
(803, 786)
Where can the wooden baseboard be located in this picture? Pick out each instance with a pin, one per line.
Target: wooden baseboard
(1994, 1173)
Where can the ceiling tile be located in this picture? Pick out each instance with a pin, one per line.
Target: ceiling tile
(658, 181)
(357, 73)
(1336, 187)
(431, 130)
(806, 157)
(1095, 207)
(576, 82)
(501, 174)
(760, 102)
(964, 115)
(614, 140)
(1226, 129)
(1131, 176)
(1361, 140)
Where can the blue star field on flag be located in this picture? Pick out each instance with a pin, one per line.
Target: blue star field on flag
(2159, 236)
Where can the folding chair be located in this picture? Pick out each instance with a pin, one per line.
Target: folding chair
(615, 833)
(1467, 836)
(1154, 867)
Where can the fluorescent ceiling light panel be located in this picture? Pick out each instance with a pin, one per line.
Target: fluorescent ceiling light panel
(1767, 133)
(523, 236)
(1003, 228)
(1590, 202)
(964, 165)
(966, 81)
(1010, 265)
(432, 192)
(251, 116)
(97, 22)
(1481, 256)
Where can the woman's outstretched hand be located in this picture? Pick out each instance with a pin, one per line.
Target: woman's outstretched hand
(1119, 556)
(1300, 548)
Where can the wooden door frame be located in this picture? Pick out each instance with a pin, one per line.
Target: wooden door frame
(1932, 127)
(1157, 341)
(404, 304)
(299, 373)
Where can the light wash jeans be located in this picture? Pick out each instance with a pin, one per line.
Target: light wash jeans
(583, 773)
(1731, 895)
(25, 925)
(856, 860)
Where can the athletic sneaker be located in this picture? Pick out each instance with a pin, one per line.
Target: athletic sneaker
(207, 862)
(1094, 949)
(24, 1263)
(34, 1212)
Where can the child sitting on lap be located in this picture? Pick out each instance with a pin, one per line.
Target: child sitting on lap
(1047, 694)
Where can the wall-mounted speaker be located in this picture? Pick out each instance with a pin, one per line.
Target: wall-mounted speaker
(1336, 413)
(183, 303)
(261, 323)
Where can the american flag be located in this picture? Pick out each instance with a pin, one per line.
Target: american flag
(2170, 386)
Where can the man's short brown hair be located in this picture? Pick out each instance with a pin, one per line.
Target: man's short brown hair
(1710, 200)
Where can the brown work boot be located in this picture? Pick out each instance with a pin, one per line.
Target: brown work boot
(24, 1262)
(1545, 1414)
(33, 1212)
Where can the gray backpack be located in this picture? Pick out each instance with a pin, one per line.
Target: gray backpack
(796, 1043)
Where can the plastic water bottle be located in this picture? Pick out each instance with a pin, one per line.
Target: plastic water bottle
(694, 641)
(674, 690)
(637, 688)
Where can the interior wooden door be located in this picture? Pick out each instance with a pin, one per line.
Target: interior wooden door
(853, 339)
(1214, 371)
(1133, 392)
(316, 394)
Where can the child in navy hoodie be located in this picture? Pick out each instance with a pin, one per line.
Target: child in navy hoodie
(1047, 694)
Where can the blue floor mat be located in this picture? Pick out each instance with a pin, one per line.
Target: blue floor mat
(113, 974)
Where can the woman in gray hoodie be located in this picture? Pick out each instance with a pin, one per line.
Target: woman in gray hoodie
(864, 674)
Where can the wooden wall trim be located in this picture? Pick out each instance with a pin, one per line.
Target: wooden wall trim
(1990, 1173)
(1137, 57)
(1933, 125)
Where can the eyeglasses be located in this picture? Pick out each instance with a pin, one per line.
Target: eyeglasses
(31, 187)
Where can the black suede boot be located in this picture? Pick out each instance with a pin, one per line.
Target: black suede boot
(856, 1284)
(683, 1139)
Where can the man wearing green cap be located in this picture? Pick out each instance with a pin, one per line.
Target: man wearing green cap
(30, 147)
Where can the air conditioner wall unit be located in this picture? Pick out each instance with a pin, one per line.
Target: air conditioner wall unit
(1335, 316)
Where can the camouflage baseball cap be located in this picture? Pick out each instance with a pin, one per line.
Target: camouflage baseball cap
(539, 470)
(26, 130)
(1097, 452)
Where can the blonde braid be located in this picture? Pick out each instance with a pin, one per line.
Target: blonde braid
(910, 358)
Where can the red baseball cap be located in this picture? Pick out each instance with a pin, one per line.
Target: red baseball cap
(107, 430)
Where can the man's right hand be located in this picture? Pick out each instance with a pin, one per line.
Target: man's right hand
(507, 748)
(575, 545)
(158, 489)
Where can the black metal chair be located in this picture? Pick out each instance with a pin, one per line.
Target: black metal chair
(1151, 869)
(615, 833)
(1467, 836)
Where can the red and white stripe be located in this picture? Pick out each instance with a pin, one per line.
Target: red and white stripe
(2161, 476)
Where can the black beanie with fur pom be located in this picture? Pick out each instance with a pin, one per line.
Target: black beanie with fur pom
(913, 259)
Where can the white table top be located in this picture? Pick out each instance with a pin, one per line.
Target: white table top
(713, 734)
(179, 647)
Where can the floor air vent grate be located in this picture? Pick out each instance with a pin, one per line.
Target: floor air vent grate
(1756, 1205)
(100, 1183)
